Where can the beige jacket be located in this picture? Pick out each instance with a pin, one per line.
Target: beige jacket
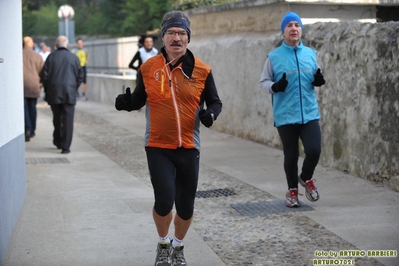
(33, 64)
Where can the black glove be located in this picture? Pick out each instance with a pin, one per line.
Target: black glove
(124, 101)
(280, 85)
(318, 79)
(206, 117)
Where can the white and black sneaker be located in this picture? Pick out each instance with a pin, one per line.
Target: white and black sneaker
(177, 256)
(163, 254)
(292, 198)
(311, 191)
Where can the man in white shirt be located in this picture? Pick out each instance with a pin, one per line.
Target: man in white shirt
(44, 51)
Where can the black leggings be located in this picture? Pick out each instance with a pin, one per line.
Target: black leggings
(311, 139)
(174, 177)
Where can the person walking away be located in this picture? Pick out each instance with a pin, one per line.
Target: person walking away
(61, 77)
(83, 56)
(290, 74)
(32, 65)
(174, 86)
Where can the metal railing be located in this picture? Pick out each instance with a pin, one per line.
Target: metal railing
(111, 56)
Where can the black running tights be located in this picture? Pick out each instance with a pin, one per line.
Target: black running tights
(310, 136)
(174, 177)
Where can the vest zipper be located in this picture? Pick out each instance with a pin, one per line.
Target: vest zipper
(176, 109)
(299, 82)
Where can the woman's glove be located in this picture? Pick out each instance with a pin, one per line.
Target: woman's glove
(318, 79)
(280, 85)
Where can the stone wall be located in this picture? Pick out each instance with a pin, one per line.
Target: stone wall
(265, 15)
(359, 104)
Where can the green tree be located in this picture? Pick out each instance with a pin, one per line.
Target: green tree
(104, 17)
(112, 16)
(46, 20)
(144, 15)
(43, 21)
(28, 19)
(88, 19)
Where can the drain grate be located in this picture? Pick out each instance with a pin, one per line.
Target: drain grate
(46, 160)
(268, 207)
(215, 193)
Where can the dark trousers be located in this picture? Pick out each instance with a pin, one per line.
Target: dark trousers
(174, 177)
(30, 114)
(63, 115)
(310, 136)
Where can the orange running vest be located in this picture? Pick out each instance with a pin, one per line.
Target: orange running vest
(173, 101)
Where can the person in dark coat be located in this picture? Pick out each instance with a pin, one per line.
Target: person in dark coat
(61, 77)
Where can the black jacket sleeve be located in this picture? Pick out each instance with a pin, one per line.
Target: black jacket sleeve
(210, 96)
(44, 73)
(135, 58)
(139, 95)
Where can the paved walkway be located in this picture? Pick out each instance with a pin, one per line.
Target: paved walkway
(93, 206)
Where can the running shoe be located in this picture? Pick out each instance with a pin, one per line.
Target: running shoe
(292, 198)
(311, 191)
(163, 254)
(178, 256)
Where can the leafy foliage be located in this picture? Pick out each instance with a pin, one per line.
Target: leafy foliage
(47, 19)
(104, 17)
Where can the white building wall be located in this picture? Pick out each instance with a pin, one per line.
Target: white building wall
(11, 76)
(12, 139)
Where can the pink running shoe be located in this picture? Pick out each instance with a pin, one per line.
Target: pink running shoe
(311, 191)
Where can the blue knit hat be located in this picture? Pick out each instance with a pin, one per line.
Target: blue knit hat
(290, 16)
